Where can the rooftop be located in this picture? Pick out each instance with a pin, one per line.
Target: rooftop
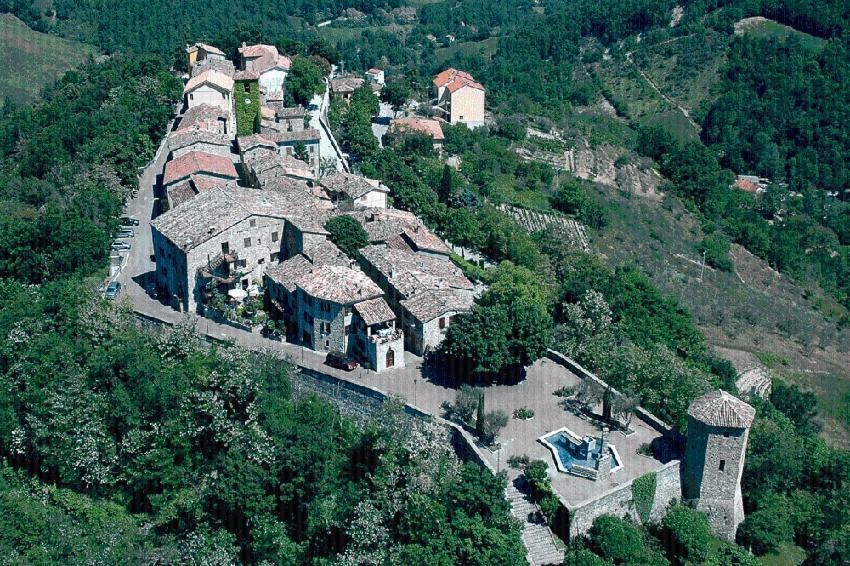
(337, 284)
(246, 75)
(411, 273)
(306, 135)
(428, 305)
(354, 186)
(198, 162)
(347, 84)
(426, 126)
(212, 77)
(202, 117)
(222, 65)
(258, 50)
(374, 311)
(421, 238)
(206, 47)
(445, 77)
(282, 111)
(185, 138)
(718, 408)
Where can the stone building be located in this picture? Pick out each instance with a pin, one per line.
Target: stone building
(343, 88)
(375, 76)
(424, 291)
(288, 118)
(459, 98)
(289, 142)
(427, 126)
(200, 52)
(193, 173)
(210, 87)
(187, 141)
(718, 429)
(271, 68)
(247, 102)
(221, 65)
(225, 236)
(348, 191)
(327, 304)
(208, 118)
(261, 162)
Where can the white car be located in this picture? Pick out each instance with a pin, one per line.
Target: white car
(121, 246)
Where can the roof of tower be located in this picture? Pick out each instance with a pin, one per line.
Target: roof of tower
(719, 408)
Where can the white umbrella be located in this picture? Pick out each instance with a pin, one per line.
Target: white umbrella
(238, 294)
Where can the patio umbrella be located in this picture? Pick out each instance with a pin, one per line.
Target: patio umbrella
(237, 294)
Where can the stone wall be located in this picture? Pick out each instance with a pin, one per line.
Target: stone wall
(619, 501)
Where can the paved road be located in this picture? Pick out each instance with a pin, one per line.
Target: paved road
(381, 122)
(318, 121)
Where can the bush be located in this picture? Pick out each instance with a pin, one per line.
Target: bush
(686, 534)
(765, 529)
(616, 539)
(493, 422)
(549, 504)
(518, 462)
(716, 249)
(643, 494)
(583, 557)
(348, 235)
(466, 402)
(537, 473)
(523, 413)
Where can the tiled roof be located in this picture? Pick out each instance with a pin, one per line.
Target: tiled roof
(222, 65)
(258, 50)
(211, 212)
(185, 138)
(180, 193)
(410, 273)
(422, 239)
(721, 409)
(373, 71)
(374, 311)
(450, 74)
(202, 117)
(347, 84)
(354, 186)
(341, 285)
(246, 75)
(210, 49)
(268, 62)
(247, 143)
(267, 164)
(282, 111)
(198, 162)
(325, 252)
(383, 225)
(267, 112)
(215, 78)
(422, 125)
(308, 135)
(288, 272)
(458, 84)
(428, 305)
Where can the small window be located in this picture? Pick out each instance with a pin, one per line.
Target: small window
(252, 222)
(726, 434)
(225, 248)
(247, 87)
(261, 261)
(442, 322)
(273, 257)
(347, 329)
(274, 236)
(722, 465)
(247, 242)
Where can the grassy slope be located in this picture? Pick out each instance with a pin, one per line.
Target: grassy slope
(32, 60)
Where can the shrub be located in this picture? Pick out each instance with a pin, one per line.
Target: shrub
(518, 461)
(616, 539)
(687, 534)
(583, 557)
(643, 494)
(466, 402)
(716, 249)
(537, 473)
(765, 529)
(523, 413)
(348, 235)
(493, 422)
(549, 504)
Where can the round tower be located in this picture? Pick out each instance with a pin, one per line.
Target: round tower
(718, 428)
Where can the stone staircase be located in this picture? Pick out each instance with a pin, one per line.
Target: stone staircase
(536, 536)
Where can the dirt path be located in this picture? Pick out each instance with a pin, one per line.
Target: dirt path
(666, 98)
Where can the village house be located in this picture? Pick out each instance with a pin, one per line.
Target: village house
(348, 191)
(221, 65)
(205, 117)
(212, 88)
(270, 66)
(288, 119)
(327, 304)
(426, 292)
(427, 126)
(202, 52)
(289, 142)
(187, 141)
(459, 98)
(261, 163)
(375, 76)
(223, 238)
(195, 172)
(343, 88)
(400, 230)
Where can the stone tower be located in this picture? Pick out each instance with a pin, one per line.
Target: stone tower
(718, 428)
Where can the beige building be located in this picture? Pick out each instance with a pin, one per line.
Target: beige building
(348, 191)
(211, 88)
(459, 98)
(193, 173)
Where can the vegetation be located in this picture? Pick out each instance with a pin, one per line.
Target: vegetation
(305, 79)
(686, 534)
(643, 494)
(246, 99)
(348, 235)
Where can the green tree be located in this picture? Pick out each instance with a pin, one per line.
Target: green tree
(348, 235)
(686, 534)
(716, 249)
(301, 152)
(396, 94)
(305, 79)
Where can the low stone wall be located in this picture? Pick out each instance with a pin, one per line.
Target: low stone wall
(619, 501)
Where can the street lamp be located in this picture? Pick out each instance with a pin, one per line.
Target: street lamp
(499, 454)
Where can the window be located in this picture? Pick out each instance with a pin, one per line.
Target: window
(261, 261)
(225, 248)
(274, 236)
(726, 434)
(252, 222)
(722, 465)
(347, 329)
(247, 242)
(247, 87)
(442, 322)
(273, 257)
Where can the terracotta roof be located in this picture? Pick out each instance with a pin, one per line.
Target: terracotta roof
(258, 50)
(353, 186)
(185, 138)
(222, 65)
(721, 409)
(198, 162)
(450, 74)
(288, 272)
(337, 284)
(410, 273)
(423, 125)
(422, 239)
(428, 305)
(246, 76)
(458, 84)
(210, 49)
(203, 183)
(268, 62)
(180, 193)
(308, 135)
(215, 78)
(346, 84)
(202, 117)
(253, 141)
(267, 112)
(373, 71)
(374, 311)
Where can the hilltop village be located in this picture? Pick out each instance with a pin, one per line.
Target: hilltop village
(252, 230)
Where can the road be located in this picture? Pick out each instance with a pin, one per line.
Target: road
(381, 122)
(319, 121)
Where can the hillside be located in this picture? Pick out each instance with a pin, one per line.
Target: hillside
(32, 60)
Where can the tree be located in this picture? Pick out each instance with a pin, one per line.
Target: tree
(686, 534)
(570, 197)
(467, 400)
(766, 529)
(396, 94)
(348, 235)
(301, 152)
(305, 79)
(716, 249)
(583, 557)
(490, 426)
(616, 540)
(801, 407)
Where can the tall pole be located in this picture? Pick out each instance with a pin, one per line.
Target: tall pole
(702, 269)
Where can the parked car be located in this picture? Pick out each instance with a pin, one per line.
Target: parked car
(126, 233)
(112, 290)
(341, 361)
(129, 221)
(121, 246)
